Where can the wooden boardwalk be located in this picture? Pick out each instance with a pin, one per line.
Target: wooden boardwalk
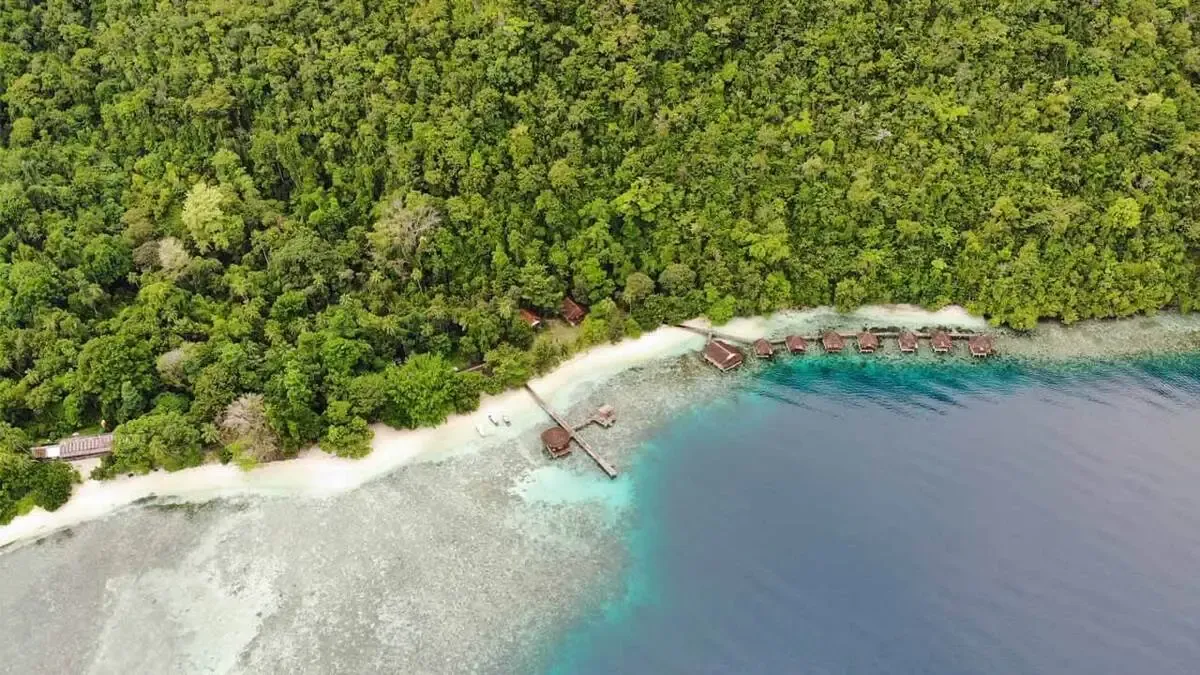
(607, 468)
(737, 339)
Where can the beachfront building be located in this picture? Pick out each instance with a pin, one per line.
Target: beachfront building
(557, 442)
(76, 447)
(530, 318)
(832, 342)
(980, 346)
(908, 342)
(941, 342)
(722, 355)
(868, 342)
(572, 311)
(796, 344)
(763, 349)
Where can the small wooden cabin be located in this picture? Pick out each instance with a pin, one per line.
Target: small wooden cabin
(530, 318)
(763, 349)
(832, 342)
(572, 311)
(557, 442)
(980, 346)
(868, 342)
(797, 344)
(941, 342)
(908, 342)
(76, 447)
(722, 355)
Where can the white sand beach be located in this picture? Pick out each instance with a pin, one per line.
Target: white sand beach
(316, 474)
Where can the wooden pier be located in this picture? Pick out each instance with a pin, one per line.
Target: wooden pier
(607, 468)
(881, 334)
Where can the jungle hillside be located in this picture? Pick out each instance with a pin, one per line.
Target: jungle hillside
(246, 227)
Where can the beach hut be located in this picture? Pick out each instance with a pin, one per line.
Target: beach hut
(832, 342)
(605, 415)
(980, 346)
(76, 447)
(572, 311)
(557, 442)
(941, 342)
(722, 355)
(868, 342)
(797, 344)
(908, 342)
(763, 349)
(530, 318)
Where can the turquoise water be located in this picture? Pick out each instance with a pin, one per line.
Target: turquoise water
(850, 515)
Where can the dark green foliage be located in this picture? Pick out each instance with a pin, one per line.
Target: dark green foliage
(25, 482)
(292, 198)
(161, 440)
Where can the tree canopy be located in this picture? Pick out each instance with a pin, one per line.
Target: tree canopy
(332, 204)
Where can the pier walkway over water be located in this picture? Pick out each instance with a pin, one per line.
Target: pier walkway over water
(607, 468)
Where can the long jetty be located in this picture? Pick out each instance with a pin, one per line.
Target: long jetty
(607, 468)
(738, 339)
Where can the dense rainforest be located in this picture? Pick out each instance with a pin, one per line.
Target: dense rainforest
(257, 225)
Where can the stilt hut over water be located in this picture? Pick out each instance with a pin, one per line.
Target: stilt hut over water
(941, 342)
(763, 349)
(530, 318)
(868, 342)
(908, 342)
(557, 442)
(797, 344)
(572, 312)
(832, 342)
(722, 355)
(980, 346)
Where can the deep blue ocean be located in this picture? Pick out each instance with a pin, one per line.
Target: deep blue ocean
(855, 515)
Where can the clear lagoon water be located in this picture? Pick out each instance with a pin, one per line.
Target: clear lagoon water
(868, 516)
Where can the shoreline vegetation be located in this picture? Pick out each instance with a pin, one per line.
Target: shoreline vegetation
(316, 473)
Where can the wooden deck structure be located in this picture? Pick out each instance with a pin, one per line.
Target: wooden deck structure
(722, 355)
(564, 427)
(941, 341)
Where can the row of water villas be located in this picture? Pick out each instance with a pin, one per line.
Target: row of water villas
(721, 352)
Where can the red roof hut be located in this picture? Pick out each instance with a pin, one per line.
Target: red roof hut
(980, 345)
(908, 342)
(868, 342)
(722, 355)
(797, 344)
(763, 349)
(530, 318)
(557, 442)
(832, 342)
(941, 342)
(76, 447)
(572, 311)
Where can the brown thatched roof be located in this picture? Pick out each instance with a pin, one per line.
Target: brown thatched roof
(572, 312)
(797, 344)
(832, 341)
(908, 341)
(763, 349)
(722, 355)
(868, 341)
(941, 341)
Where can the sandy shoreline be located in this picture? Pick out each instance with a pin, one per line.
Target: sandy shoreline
(317, 474)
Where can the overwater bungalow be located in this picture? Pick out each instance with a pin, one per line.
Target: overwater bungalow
(530, 318)
(832, 342)
(796, 344)
(908, 342)
(572, 311)
(868, 342)
(557, 442)
(722, 355)
(941, 342)
(980, 346)
(76, 447)
(763, 349)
